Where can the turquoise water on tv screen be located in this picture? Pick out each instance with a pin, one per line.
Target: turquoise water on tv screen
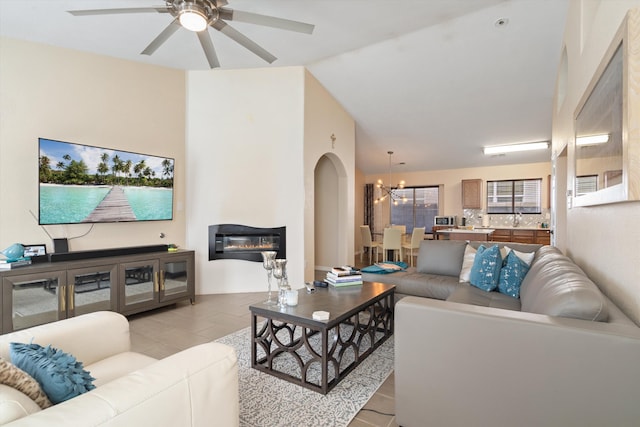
(65, 204)
(150, 203)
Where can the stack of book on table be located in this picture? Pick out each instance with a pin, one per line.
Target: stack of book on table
(6, 264)
(344, 276)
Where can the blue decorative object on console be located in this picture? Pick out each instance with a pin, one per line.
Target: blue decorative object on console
(60, 375)
(14, 252)
(485, 272)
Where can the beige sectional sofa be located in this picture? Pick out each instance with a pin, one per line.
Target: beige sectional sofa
(562, 354)
(195, 387)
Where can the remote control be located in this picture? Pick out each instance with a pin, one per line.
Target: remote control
(319, 284)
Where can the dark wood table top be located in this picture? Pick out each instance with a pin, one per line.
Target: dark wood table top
(341, 303)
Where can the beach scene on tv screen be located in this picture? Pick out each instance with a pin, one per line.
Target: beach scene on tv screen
(81, 183)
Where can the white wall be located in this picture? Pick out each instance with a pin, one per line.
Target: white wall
(254, 138)
(603, 240)
(78, 97)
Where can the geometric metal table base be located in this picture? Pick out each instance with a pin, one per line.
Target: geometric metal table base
(314, 354)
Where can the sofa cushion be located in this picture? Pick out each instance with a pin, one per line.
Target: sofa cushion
(475, 296)
(390, 279)
(442, 257)
(511, 275)
(467, 263)
(555, 286)
(118, 366)
(524, 256)
(427, 285)
(60, 374)
(485, 272)
(15, 405)
(12, 376)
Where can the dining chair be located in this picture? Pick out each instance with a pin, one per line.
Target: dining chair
(416, 237)
(392, 241)
(367, 242)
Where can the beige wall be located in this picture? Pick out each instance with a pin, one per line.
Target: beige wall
(88, 99)
(603, 240)
(329, 134)
(451, 179)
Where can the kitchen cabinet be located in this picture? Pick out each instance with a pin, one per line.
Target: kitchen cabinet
(522, 235)
(472, 194)
(543, 237)
(46, 292)
(501, 235)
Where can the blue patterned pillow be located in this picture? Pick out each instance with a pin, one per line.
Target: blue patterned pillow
(511, 275)
(485, 272)
(60, 375)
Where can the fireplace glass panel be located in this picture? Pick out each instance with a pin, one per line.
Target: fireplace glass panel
(247, 243)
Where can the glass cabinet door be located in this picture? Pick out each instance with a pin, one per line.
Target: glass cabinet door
(175, 277)
(139, 284)
(34, 299)
(92, 289)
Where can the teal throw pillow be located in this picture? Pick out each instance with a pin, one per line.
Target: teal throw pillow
(60, 375)
(511, 275)
(485, 273)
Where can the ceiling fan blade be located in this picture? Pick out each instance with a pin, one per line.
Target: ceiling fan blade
(209, 50)
(162, 37)
(159, 9)
(268, 21)
(220, 3)
(243, 40)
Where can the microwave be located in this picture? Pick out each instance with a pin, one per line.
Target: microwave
(449, 221)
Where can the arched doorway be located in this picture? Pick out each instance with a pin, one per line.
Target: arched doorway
(330, 211)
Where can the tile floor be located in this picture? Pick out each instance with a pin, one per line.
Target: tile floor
(165, 331)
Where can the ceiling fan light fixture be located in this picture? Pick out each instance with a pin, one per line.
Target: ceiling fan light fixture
(193, 17)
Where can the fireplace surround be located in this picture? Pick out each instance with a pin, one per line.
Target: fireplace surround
(235, 241)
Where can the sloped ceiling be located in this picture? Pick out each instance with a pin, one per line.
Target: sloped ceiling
(432, 80)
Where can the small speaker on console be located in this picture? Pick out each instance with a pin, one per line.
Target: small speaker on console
(60, 246)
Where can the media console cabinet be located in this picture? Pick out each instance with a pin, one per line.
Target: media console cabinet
(49, 291)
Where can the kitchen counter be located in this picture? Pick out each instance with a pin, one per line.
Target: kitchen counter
(465, 234)
(506, 227)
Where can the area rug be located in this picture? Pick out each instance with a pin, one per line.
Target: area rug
(267, 401)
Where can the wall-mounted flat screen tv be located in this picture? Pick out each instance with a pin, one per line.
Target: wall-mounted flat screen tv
(86, 184)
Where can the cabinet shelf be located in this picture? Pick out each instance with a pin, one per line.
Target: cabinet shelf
(46, 292)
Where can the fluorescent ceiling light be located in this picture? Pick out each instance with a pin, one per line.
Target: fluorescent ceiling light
(512, 148)
(593, 139)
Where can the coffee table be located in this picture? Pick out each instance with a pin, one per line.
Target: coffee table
(289, 344)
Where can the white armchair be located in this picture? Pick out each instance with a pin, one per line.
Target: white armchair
(195, 387)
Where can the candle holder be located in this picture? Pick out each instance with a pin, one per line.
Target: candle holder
(268, 263)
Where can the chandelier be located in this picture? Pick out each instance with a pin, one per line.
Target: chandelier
(388, 191)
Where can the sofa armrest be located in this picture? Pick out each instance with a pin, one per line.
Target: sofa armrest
(90, 337)
(460, 365)
(195, 387)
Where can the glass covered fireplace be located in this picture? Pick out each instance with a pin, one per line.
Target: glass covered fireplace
(234, 241)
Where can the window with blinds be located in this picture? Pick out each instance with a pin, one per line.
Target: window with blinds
(586, 184)
(419, 210)
(514, 196)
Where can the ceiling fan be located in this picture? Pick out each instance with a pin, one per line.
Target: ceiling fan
(198, 15)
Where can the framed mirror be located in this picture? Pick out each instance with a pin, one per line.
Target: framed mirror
(606, 147)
